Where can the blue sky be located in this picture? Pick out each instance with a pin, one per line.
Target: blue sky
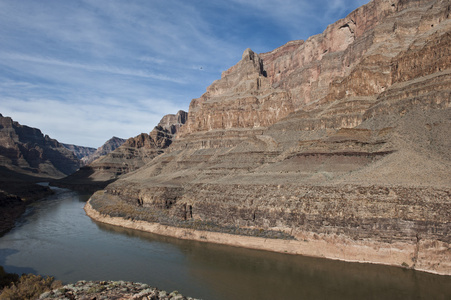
(83, 71)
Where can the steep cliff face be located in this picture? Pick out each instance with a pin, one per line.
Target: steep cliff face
(129, 156)
(26, 157)
(342, 138)
(27, 151)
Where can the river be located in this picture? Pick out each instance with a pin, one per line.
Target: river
(55, 237)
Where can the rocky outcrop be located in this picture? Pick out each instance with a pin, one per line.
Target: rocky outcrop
(173, 123)
(130, 156)
(343, 138)
(111, 290)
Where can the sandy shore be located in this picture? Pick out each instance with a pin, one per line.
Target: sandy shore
(423, 257)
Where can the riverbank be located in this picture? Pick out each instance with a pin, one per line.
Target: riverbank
(14, 196)
(424, 255)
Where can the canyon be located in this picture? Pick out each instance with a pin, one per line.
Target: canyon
(87, 155)
(129, 156)
(340, 141)
(27, 156)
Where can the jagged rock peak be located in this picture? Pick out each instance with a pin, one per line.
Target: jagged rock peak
(172, 123)
(248, 54)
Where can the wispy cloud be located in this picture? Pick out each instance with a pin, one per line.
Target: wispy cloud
(113, 70)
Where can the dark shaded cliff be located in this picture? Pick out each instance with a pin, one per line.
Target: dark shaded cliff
(27, 151)
(27, 157)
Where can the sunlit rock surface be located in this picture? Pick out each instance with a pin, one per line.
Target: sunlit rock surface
(343, 138)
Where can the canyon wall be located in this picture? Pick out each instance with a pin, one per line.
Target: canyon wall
(343, 138)
(25, 150)
(132, 154)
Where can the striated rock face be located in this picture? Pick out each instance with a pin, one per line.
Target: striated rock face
(129, 156)
(25, 150)
(343, 138)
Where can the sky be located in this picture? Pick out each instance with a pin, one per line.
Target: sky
(83, 71)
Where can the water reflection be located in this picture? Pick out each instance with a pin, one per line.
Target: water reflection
(57, 238)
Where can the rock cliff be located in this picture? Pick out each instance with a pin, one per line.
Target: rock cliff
(27, 157)
(129, 156)
(343, 139)
(27, 151)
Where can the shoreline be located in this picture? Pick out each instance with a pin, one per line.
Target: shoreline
(307, 244)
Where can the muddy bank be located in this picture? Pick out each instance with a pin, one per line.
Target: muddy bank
(429, 256)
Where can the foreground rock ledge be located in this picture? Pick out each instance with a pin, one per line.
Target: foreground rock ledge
(111, 290)
(423, 256)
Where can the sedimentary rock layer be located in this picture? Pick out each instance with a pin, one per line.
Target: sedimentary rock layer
(343, 138)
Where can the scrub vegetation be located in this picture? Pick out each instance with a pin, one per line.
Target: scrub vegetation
(27, 286)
